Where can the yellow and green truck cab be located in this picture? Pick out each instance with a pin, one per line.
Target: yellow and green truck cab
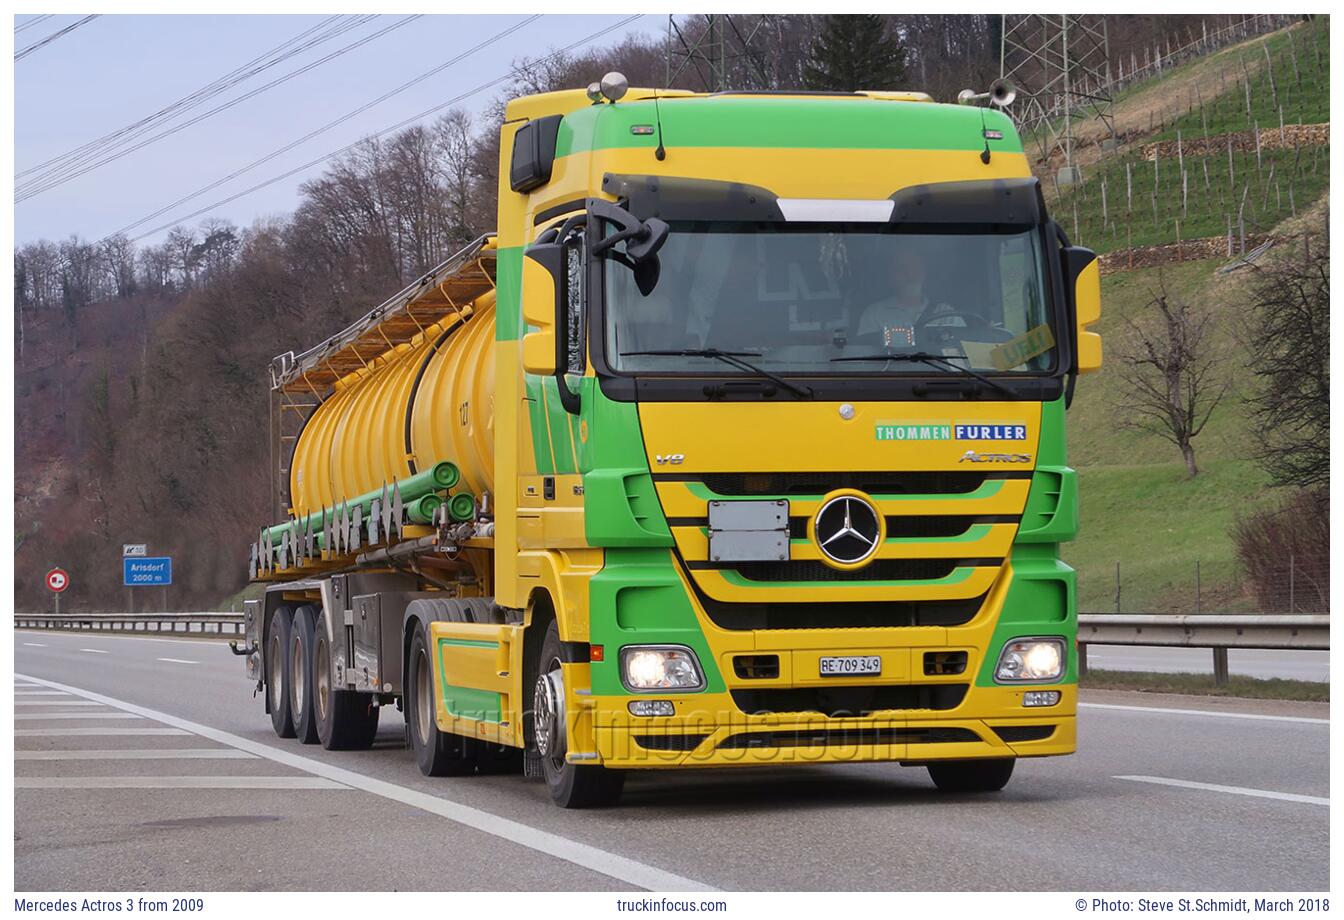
(762, 407)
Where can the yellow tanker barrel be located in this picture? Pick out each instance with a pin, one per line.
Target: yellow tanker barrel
(453, 416)
(410, 386)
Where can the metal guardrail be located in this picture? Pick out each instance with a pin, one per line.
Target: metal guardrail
(207, 623)
(1216, 632)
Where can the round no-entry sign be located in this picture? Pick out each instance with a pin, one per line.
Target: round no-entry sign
(58, 580)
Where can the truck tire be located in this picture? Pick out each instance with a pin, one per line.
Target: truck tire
(571, 785)
(972, 775)
(437, 753)
(346, 720)
(277, 671)
(300, 673)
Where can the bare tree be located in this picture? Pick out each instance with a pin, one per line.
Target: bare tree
(1290, 357)
(1173, 375)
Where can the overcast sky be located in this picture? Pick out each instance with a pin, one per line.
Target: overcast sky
(113, 71)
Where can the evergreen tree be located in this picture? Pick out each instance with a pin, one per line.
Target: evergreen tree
(855, 52)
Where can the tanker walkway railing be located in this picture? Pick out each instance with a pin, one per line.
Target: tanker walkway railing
(1216, 632)
(202, 623)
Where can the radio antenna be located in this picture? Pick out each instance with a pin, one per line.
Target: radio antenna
(660, 153)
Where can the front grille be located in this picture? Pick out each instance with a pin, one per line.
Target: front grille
(931, 526)
(1012, 733)
(839, 702)
(885, 482)
(669, 742)
(861, 615)
(880, 570)
(852, 737)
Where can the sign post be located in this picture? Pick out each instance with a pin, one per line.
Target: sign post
(57, 581)
(129, 550)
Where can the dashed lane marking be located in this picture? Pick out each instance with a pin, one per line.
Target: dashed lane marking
(85, 732)
(1159, 710)
(96, 651)
(1234, 790)
(176, 782)
(149, 754)
(76, 715)
(177, 660)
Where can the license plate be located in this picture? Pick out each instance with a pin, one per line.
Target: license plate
(848, 665)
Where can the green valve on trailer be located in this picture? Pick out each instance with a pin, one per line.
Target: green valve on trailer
(462, 506)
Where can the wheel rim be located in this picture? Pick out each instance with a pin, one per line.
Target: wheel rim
(296, 676)
(424, 713)
(548, 714)
(276, 673)
(322, 678)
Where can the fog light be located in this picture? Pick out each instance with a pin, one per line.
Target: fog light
(653, 708)
(1031, 659)
(1040, 698)
(652, 667)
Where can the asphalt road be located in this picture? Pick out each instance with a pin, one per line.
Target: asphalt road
(1251, 662)
(148, 764)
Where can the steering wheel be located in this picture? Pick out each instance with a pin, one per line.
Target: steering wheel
(930, 332)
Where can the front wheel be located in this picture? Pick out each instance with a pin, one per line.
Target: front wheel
(971, 775)
(571, 785)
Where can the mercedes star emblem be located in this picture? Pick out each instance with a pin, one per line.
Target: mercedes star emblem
(848, 529)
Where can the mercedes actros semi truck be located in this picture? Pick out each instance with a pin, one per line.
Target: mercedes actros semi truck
(740, 442)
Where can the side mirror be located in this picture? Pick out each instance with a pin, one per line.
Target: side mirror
(1083, 273)
(543, 290)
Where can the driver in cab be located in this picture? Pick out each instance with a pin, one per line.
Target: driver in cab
(896, 315)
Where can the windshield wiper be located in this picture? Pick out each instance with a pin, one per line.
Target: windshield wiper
(733, 358)
(932, 360)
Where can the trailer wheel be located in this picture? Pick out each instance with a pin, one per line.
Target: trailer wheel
(277, 671)
(300, 672)
(571, 785)
(346, 720)
(972, 775)
(437, 753)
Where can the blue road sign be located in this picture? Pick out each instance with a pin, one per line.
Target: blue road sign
(146, 571)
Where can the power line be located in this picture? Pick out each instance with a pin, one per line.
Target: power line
(38, 186)
(32, 22)
(53, 36)
(331, 124)
(399, 125)
(256, 65)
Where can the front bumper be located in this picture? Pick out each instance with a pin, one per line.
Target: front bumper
(708, 730)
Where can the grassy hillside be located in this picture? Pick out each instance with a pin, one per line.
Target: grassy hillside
(1140, 508)
(1127, 199)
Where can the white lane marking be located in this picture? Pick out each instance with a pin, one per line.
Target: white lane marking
(1204, 712)
(199, 638)
(177, 660)
(67, 732)
(96, 651)
(1235, 790)
(148, 754)
(36, 644)
(584, 855)
(75, 715)
(175, 782)
(56, 703)
(19, 693)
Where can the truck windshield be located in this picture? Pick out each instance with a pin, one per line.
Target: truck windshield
(798, 298)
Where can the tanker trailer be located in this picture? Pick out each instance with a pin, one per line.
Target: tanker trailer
(740, 442)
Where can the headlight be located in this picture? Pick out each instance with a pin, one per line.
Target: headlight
(1031, 659)
(651, 667)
